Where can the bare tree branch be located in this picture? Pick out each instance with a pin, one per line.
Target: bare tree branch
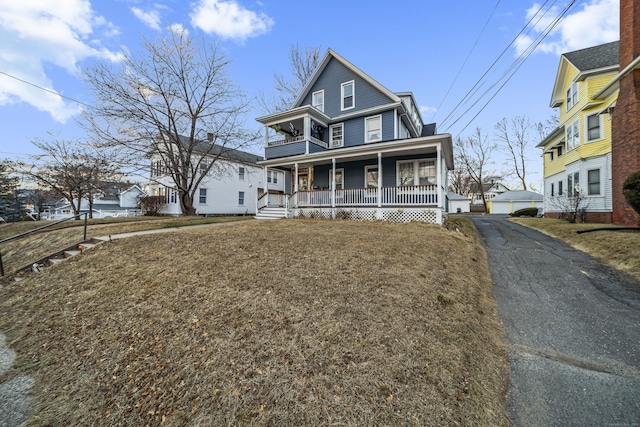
(475, 154)
(175, 103)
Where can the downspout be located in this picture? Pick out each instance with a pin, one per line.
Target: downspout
(295, 188)
(440, 193)
(379, 189)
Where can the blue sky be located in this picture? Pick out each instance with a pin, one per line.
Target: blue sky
(419, 46)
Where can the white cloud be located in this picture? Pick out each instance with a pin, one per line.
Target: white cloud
(597, 22)
(424, 109)
(37, 35)
(151, 18)
(229, 19)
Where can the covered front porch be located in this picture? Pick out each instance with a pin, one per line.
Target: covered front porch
(402, 180)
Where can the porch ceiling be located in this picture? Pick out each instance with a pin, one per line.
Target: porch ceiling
(413, 146)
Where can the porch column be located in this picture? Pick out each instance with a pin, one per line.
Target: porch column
(379, 190)
(440, 192)
(333, 182)
(265, 187)
(266, 136)
(306, 132)
(295, 187)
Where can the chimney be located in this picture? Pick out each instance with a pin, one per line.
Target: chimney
(625, 144)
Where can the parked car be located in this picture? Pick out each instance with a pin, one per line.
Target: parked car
(2, 221)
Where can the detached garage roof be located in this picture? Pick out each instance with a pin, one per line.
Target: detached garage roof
(518, 196)
(454, 196)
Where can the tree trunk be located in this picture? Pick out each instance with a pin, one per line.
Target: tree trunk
(186, 204)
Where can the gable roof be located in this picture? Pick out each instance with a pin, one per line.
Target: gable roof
(592, 60)
(330, 54)
(209, 148)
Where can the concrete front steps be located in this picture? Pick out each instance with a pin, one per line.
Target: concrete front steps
(56, 258)
(271, 213)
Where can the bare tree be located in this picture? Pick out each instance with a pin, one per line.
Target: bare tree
(71, 170)
(475, 155)
(174, 103)
(546, 127)
(515, 139)
(303, 63)
(572, 205)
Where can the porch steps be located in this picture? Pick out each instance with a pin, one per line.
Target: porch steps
(271, 213)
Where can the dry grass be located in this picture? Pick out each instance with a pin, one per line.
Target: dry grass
(297, 322)
(620, 249)
(24, 251)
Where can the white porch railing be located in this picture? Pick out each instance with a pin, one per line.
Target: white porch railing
(294, 139)
(416, 195)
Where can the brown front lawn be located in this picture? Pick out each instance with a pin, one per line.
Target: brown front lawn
(292, 322)
(619, 249)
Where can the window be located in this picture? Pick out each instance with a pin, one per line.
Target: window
(573, 184)
(572, 96)
(573, 135)
(348, 98)
(336, 135)
(559, 150)
(203, 167)
(317, 100)
(559, 188)
(594, 127)
(203, 196)
(272, 177)
(241, 198)
(241, 173)
(416, 172)
(339, 178)
(373, 129)
(552, 189)
(371, 176)
(593, 182)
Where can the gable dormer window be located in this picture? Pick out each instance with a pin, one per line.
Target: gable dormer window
(572, 95)
(318, 100)
(348, 95)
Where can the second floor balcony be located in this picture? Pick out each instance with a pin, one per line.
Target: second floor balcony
(303, 130)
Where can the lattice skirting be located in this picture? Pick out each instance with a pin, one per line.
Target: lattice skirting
(433, 216)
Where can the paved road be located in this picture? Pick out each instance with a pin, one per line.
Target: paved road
(572, 326)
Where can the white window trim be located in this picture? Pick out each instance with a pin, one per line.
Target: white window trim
(586, 128)
(572, 95)
(244, 198)
(338, 171)
(572, 143)
(366, 172)
(599, 183)
(353, 95)
(200, 196)
(242, 176)
(313, 99)
(337, 125)
(366, 128)
(416, 169)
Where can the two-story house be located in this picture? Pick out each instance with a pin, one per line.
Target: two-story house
(350, 148)
(577, 154)
(229, 187)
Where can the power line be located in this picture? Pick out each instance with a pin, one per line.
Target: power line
(480, 82)
(515, 66)
(455, 79)
(46, 90)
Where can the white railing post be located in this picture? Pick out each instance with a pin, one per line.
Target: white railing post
(295, 186)
(379, 191)
(333, 182)
(439, 190)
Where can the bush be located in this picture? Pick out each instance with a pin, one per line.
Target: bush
(532, 212)
(631, 191)
(151, 205)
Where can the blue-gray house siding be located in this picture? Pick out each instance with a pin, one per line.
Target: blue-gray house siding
(366, 96)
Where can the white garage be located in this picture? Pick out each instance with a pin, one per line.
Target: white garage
(511, 201)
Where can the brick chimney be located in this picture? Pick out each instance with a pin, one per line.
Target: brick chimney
(625, 149)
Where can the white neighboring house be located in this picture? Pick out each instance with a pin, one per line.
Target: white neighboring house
(231, 187)
(112, 203)
(511, 201)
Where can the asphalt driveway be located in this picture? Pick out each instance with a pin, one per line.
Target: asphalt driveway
(572, 326)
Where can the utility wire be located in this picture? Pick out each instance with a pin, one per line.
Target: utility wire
(46, 90)
(480, 81)
(517, 64)
(455, 79)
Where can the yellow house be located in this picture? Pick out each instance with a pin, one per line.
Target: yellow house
(577, 154)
